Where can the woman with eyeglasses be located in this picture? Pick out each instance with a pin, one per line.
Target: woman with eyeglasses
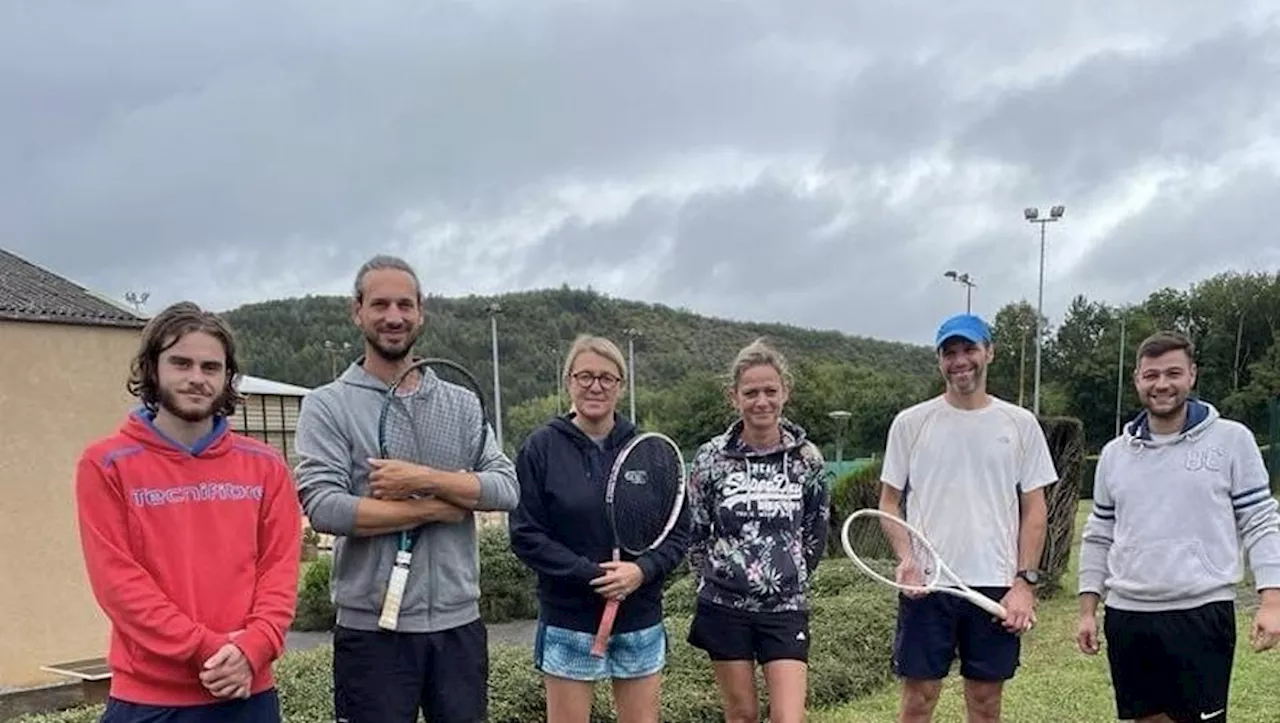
(560, 531)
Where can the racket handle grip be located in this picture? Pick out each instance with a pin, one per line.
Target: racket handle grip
(606, 628)
(991, 606)
(390, 617)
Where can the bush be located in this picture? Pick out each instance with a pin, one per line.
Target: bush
(315, 604)
(852, 633)
(508, 588)
(1065, 436)
(851, 492)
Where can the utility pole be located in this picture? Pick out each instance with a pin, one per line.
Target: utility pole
(494, 309)
(631, 333)
(968, 283)
(1120, 373)
(1033, 215)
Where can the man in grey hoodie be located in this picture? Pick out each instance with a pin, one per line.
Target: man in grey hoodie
(437, 659)
(1175, 497)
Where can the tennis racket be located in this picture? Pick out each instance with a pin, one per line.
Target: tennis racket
(643, 499)
(421, 426)
(877, 542)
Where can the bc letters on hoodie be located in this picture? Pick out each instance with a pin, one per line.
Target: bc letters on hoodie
(1171, 513)
(760, 520)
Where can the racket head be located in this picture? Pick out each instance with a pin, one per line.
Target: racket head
(877, 542)
(409, 431)
(645, 492)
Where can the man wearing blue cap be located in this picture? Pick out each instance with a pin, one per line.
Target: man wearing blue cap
(969, 471)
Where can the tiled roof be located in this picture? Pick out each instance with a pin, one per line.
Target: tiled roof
(30, 293)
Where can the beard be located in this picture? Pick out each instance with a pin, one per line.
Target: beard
(976, 377)
(393, 353)
(1166, 409)
(170, 402)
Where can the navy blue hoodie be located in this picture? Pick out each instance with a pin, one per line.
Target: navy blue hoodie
(560, 531)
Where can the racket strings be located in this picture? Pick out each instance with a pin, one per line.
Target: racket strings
(422, 424)
(884, 546)
(647, 486)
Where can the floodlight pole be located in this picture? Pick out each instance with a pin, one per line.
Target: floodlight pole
(1033, 215)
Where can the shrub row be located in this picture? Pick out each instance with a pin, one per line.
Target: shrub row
(852, 634)
(507, 586)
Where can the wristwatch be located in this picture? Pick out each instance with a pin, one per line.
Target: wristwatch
(1032, 577)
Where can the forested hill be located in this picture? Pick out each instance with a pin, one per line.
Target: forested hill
(285, 339)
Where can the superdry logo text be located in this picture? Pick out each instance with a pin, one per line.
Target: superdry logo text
(202, 492)
(764, 487)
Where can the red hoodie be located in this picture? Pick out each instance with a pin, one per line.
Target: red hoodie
(183, 548)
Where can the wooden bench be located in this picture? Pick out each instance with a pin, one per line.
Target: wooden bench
(94, 676)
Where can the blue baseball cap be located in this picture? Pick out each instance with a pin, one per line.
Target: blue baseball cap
(965, 326)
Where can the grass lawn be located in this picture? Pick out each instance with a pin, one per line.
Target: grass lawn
(1058, 683)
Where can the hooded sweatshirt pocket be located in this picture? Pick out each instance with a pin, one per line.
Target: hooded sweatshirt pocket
(1165, 569)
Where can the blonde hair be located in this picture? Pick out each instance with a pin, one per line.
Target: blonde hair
(596, 345)
(757, 353)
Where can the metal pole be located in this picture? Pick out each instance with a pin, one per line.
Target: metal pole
(968, 299)
(1120, 375)
(631, 362)
(1035, 398)
(497, 386)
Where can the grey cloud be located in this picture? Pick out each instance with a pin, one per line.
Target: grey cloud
(280, 144)
(1180, 239)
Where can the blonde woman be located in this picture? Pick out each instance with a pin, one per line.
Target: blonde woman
(760, 509)
(560, 531)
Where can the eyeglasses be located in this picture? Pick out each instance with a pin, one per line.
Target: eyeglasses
(586, 379)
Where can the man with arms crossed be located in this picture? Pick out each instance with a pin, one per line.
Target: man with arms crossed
(1173, 498)
(191, 537)
(437, 660)
(969, 471)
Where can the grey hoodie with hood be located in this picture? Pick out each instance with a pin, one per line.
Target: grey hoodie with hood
(1171, 515)
(337, 434)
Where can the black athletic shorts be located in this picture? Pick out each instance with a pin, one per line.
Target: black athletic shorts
(730, 634)
(934, 629)
(386, 677)
(1176, 662)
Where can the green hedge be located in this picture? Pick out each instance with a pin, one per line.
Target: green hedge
(854, 491)
(315, 609)
(852, 636)
(507, 586)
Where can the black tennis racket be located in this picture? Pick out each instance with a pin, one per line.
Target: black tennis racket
(421, 425)
(643, 500)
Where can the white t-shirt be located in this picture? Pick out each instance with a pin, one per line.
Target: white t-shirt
(963, 472)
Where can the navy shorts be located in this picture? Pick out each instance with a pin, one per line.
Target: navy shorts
(261, 707)
(727, 633)
(386, 677)
(933, 629)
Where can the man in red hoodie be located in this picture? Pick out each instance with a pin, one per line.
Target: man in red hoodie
(191, 537)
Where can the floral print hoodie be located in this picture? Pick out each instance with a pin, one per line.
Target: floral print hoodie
(759, 520)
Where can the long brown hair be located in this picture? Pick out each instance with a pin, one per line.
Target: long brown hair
(163, 331)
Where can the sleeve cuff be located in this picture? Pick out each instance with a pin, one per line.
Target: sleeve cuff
(211, 643)
(588, 570)
(647, 567)
(495, 494)
(1266, 576)
(256, 649)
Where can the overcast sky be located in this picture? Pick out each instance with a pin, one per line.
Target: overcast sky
(819, 163)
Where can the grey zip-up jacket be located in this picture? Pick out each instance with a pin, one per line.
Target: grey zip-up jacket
(337, 434)
(1172, 515)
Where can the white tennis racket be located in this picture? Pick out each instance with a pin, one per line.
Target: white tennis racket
(879, 543)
